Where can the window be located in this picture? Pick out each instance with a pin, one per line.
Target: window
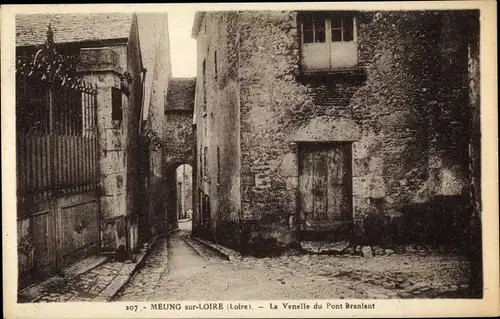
(205, 163)
(342, 28)
(204, 76)
(218, 165)
(201, 162)
(116, 104)
(314, 29)
(328, 41)
(215, 65)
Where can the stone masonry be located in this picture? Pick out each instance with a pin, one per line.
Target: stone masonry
(106, 78)
(178, 138)
(118, 137)
(404, 109)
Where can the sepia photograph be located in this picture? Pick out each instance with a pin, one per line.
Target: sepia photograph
(243, 155)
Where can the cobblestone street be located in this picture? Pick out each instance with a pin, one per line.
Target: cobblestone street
(181, 269)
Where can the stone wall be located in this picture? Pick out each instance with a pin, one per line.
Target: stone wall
(178, 136)
(119, 147)
(404, 109)
(105, 67)
(179, 140)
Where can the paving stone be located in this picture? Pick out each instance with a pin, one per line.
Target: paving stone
(420, 285)
(377, 251)
(389, 285)
(378, 296)
(402, 285)
(405, 295)
(312, 276)
(366, 252)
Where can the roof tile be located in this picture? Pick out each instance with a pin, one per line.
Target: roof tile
(31, 28)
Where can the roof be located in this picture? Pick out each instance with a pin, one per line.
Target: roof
(31, 29)
(180, 94)
(198, 18)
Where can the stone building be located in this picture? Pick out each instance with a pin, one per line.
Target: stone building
(178, 139)
(335, 126)
(108, 49)
(156, 56)
(184, 184)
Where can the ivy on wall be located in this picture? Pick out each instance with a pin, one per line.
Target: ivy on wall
(152, 138)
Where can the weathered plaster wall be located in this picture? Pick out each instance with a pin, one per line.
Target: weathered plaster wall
(134, 184)
(218, 125)
(158, 76)
(201, 131)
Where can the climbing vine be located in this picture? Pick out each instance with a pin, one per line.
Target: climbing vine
(152, 138)
(170, 142)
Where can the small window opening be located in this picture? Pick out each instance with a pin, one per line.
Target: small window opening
(215, 65)
(218, 165)
(116, 104)
(204, 75)
(205, 162)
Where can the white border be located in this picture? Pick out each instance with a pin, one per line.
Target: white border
(488, 306)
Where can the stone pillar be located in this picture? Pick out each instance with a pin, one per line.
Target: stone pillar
(102, 67)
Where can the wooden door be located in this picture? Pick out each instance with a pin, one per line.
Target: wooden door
(325, 192)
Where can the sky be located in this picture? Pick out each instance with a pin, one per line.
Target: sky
(182, 46)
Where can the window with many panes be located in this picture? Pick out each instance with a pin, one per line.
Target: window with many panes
(329, 41)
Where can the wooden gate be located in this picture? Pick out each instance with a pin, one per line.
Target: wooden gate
(57, 162)
(325, 191)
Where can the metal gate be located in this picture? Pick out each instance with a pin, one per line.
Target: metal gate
(57, 161)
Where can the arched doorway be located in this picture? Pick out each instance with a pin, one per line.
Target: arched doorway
(184, 195)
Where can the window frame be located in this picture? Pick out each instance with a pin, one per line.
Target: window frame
(328, 56)
(328, 27)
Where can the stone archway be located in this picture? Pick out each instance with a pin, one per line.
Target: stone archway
(179, 139)
(184, 198)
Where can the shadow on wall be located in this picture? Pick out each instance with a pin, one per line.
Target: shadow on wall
(444, 221)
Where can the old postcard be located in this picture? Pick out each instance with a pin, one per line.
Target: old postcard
(250, 160)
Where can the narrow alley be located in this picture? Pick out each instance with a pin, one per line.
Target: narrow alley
(179, 268)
